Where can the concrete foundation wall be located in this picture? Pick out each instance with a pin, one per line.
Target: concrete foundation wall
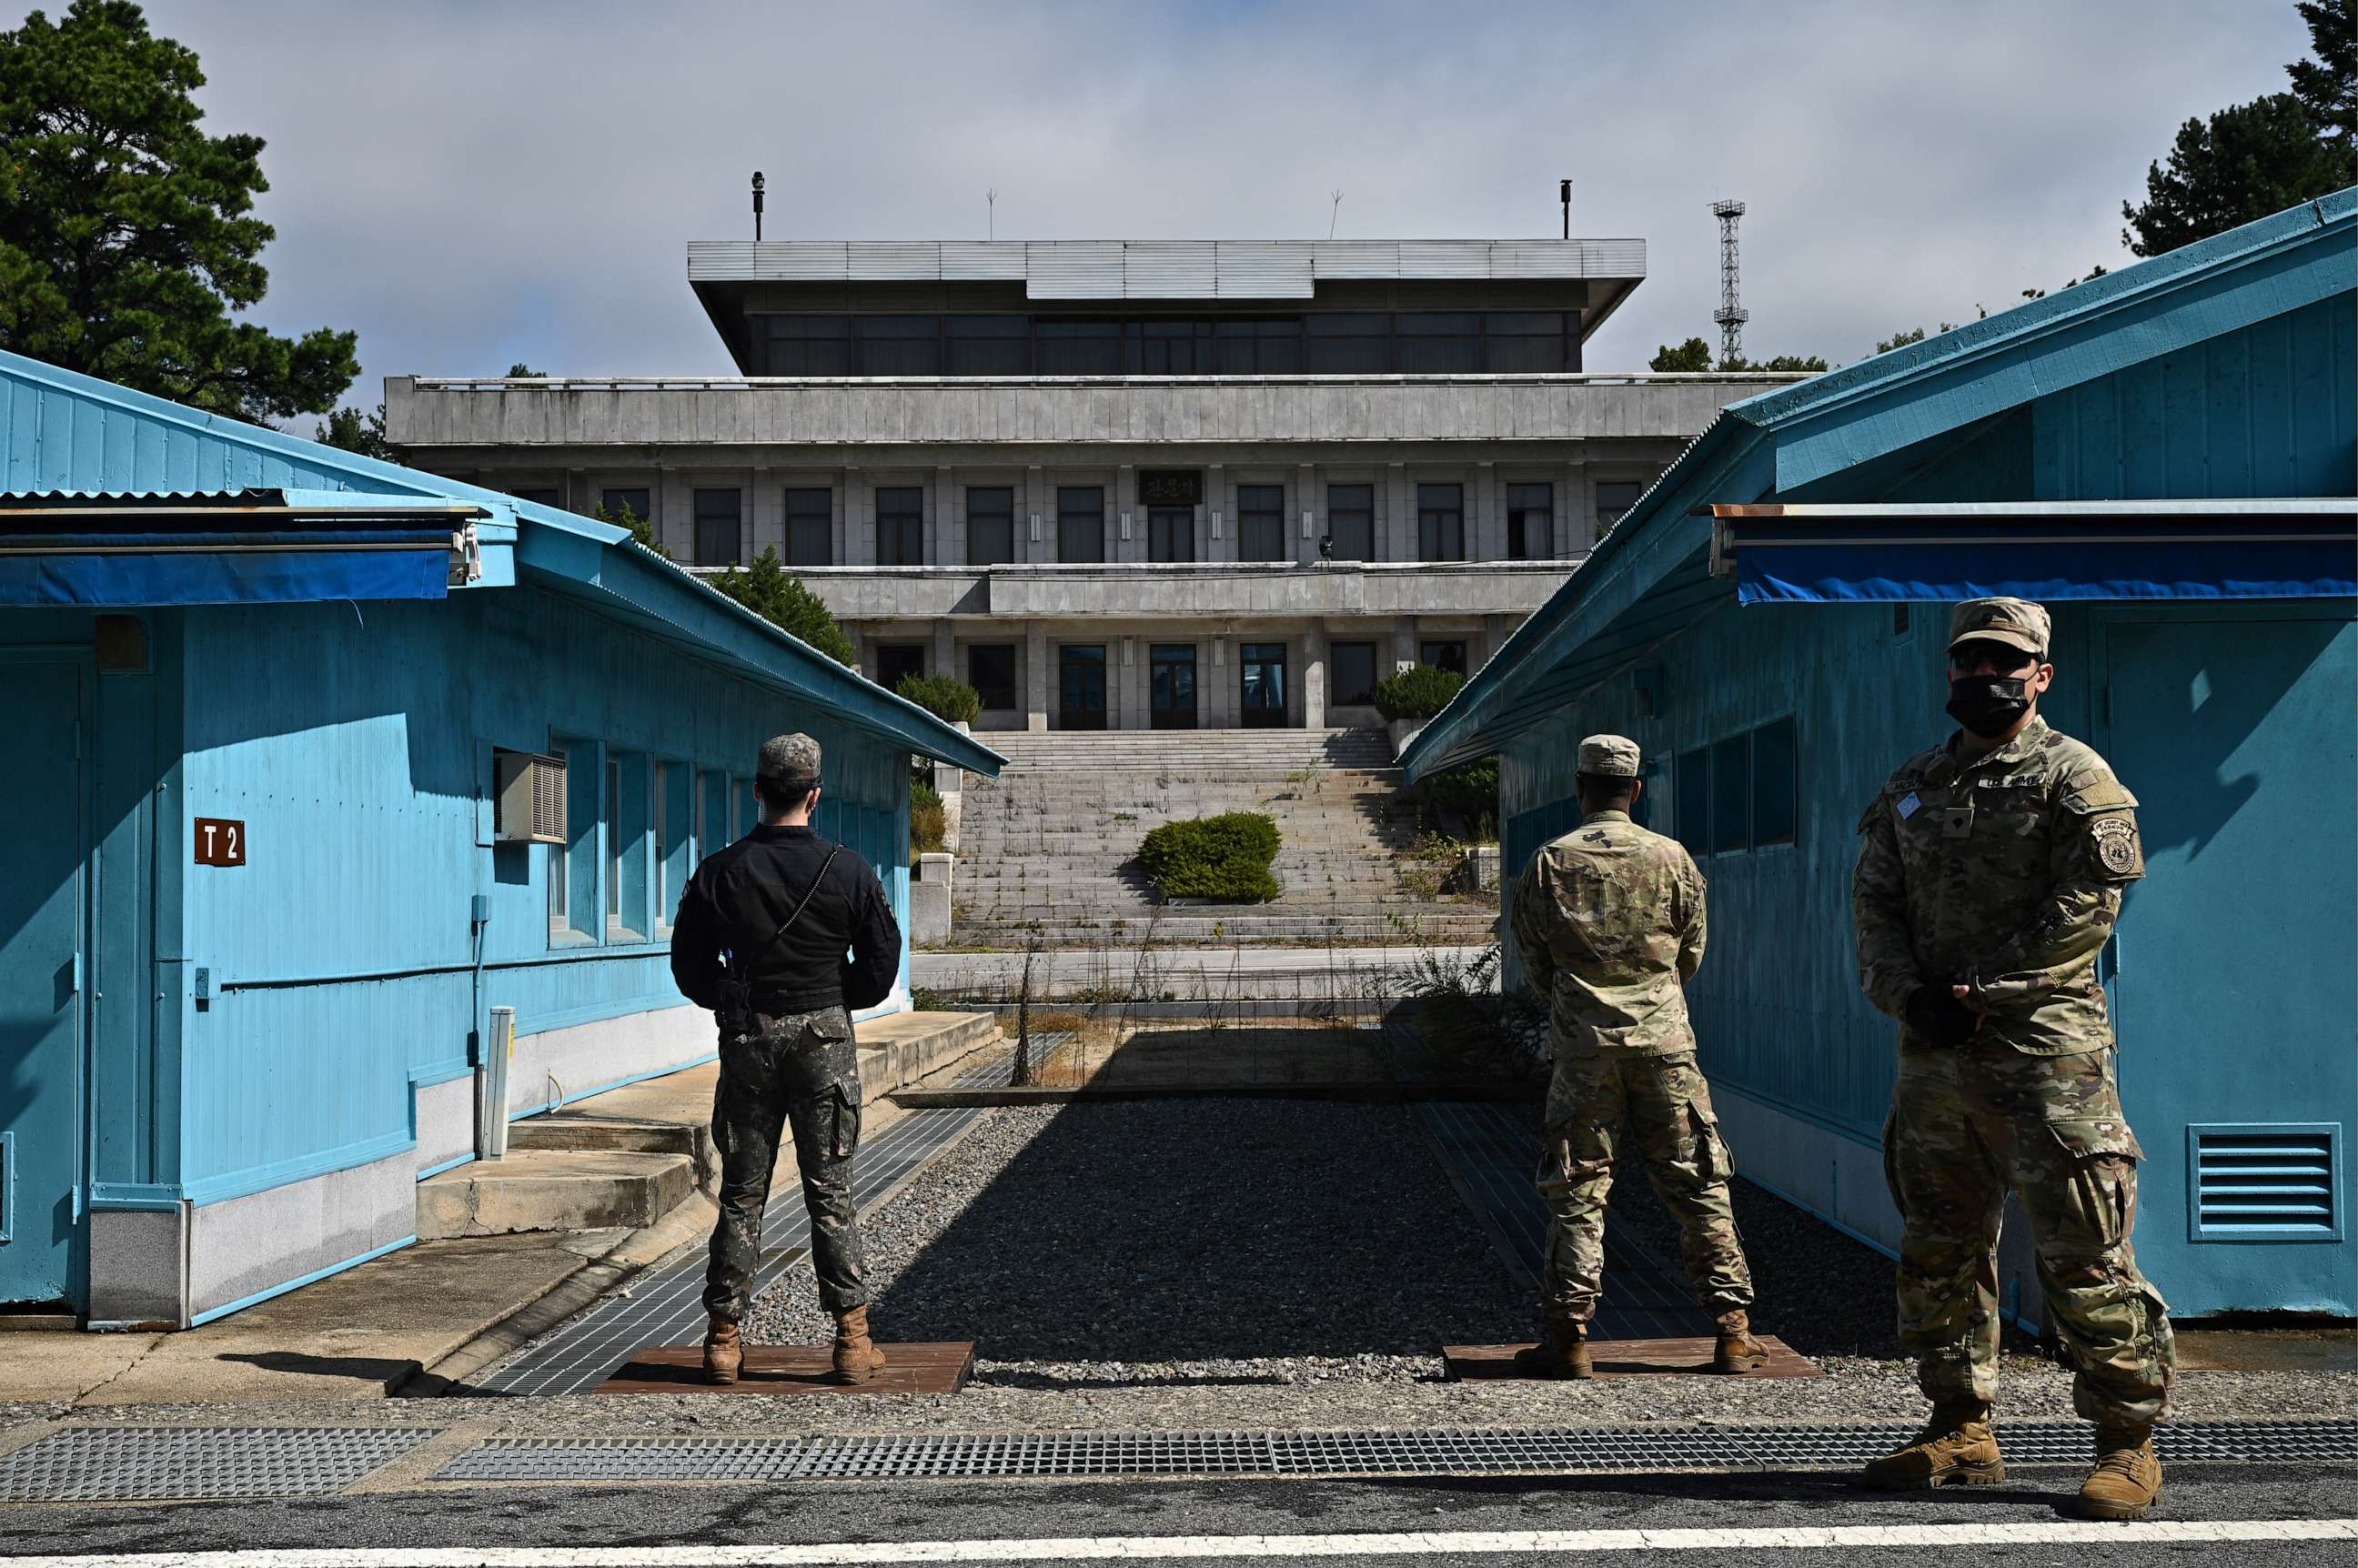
(244, 1246)
(590, 1056)
(138, 1266)
(446, 1122)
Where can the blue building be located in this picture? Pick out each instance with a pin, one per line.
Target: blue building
(314, 761)
(2167, 458)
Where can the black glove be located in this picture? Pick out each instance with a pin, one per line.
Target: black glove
(1940, 1018)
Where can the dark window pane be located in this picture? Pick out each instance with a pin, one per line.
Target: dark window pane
(1529, 340)
(1442, 656)
(809, 345)
(1614, 497)
(1774, 808)
(1351, 521)
(1080, 348)
(1170, 533)
(989, 525)
(1174, 348)
(1080, 524)
(1347, 343)
(1441, 522)
(1259, 348)
(990, 670)
(897, 660)
(899, 345)
(1693, 781)
(810, 527)
(1436, 342)
(1260, 522)
(900, 525)
(622, 504)
(717, 517)
(991, 345)
(540, 495)
(1355, 674)
(1731, 785)
(1530, 522)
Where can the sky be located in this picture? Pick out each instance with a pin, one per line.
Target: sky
(473, 184)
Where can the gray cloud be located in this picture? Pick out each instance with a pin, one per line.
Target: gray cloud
(474, 184)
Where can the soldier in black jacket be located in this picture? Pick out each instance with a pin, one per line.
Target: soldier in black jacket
(761, 938)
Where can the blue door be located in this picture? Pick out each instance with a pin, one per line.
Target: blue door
(2237, 996)
(41, 981)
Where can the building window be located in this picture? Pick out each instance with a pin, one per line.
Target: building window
(1613, 498)
(810, 527)
(989, 525)
(711, 815)
(1347, 343)
(1080, 523)
(899, 345)
(809, 345)
(1174, 348)
(1351, 522)
(1354, 665)
(989, 345)
(1440, 342)
(624, 507)
(1260, 522)
(1442, 656)
(895, 661)
(1079, 348)
(1530, 522)
(1775, 810)
(626, 848)
(900, 525)
(718, 525)
(1441, 522)
(990, 670)
(675, 790)
(1170, 533)
(1531, 341)
(1731, 790)
(559, 878)
(539, 495)
(1693, 815)
(1259, 348)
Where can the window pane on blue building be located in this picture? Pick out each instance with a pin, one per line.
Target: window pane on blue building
(1730, 790)
(1693, 817)
(1773, 794)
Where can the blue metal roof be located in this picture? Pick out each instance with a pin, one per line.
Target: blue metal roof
(67, 439)
(1649, 578)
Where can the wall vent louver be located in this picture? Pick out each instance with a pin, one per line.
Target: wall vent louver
(530, 790)
(2266, 1181)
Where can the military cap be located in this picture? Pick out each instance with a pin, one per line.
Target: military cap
(1609, 756)
(2017, 622)
(791, 760)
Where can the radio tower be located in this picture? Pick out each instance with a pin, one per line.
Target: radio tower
(1731, 315)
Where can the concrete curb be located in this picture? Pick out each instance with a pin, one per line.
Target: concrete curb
(1356, 1093)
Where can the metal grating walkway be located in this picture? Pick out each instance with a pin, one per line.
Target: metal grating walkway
(1563, 1451)
(667, 1308)
(130, 1462)
(1491, 1151)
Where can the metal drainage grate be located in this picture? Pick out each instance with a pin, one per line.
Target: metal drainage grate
(115, 1464)
(1551, 1452)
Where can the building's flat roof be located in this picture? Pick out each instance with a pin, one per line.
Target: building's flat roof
(1161, 269)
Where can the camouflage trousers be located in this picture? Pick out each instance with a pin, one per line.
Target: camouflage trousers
(1967, 1124)
(1667, 1103)
(800, 1068)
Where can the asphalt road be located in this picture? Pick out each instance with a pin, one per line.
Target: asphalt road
(668, 1516)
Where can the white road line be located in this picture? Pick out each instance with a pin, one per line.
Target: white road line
(2057, 1532)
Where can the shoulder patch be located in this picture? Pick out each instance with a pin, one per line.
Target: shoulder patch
(2114, 839)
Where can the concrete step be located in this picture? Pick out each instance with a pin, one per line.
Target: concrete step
(554, 1189)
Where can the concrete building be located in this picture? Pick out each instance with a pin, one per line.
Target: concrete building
(269, 869)
(1123, 484)
(2167, 458)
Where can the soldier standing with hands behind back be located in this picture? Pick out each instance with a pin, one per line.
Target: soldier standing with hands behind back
(1990, 875)
(761, 938)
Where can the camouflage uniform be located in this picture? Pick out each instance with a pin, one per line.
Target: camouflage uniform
(1610, 924)
(2003, 873)
(801, 1068)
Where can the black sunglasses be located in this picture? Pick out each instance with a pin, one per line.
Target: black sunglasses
(2001, 657)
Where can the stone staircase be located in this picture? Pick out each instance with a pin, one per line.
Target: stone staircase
(1049, 845)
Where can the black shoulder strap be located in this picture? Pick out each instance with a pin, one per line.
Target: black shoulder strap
(832, 851)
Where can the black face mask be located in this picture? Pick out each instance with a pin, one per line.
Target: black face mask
(1988, 705)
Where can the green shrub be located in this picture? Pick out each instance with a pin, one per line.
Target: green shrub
(1225, 857)
(1469, 793)
(929, 821)
(767, 590)
(946, 697)
(1416, 693)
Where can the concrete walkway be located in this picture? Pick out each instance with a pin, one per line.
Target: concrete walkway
(1239, 973)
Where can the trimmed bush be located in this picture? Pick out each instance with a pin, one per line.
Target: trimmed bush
(1225, 858)
(1416, 693)
(946, 697)
(929, 821)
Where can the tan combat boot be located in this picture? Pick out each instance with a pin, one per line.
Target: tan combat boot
(1956, 1448)
(723, 1352)
(1737, 1351)
(856, 1359)
(1562, 1354)
(2127, 1476)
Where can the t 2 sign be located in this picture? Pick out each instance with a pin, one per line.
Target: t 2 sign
(220, 841)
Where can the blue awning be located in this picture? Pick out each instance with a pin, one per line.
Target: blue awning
(2165, 550)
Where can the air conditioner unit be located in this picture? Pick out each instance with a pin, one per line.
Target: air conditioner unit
(528, 797)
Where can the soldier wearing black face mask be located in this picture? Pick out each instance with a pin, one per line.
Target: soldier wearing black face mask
(1990, 873)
